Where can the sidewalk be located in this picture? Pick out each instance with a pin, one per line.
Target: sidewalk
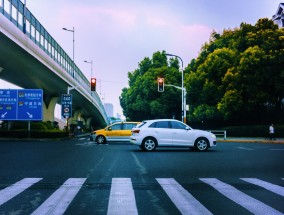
(250, 140)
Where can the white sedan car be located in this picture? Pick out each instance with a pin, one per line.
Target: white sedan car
(169, 132)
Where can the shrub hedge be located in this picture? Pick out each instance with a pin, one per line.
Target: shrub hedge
(19, 129)
(33, 134)
(253, 131)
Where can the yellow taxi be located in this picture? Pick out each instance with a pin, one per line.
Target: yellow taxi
(120, 131)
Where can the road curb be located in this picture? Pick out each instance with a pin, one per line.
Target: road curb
(252, 141)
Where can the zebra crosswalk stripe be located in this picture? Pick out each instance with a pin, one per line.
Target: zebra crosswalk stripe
(122, 199)
(15, 189)
(183, 200)
(251, 204)
(271, 187)
(58, 202)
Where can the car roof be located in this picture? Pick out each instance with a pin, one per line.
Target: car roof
(155, 120)
(124, 123)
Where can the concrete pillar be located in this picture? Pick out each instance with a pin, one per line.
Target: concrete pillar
(74, 119)
(77, 116)
(88, 123)
(48, 109)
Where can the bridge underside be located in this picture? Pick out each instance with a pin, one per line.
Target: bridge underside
(19, 67)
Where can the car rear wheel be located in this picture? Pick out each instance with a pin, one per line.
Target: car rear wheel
(149, 144)
(101, 139)
(201, 144)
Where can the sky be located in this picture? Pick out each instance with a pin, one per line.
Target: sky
(118, 34)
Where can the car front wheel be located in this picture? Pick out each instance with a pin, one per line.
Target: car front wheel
(149, 144)
(201, 144)
(101, 139)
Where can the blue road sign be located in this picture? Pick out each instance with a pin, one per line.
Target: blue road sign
(8, 104)
(23, 104)
(30, 104)
(66, 105)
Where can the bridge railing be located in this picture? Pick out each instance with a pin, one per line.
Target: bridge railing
(19, 15)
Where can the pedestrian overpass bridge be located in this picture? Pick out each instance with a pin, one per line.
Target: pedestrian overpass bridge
(30, 58)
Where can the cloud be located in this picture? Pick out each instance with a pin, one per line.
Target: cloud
(194, 36)
(97, 16)
(117, 38)
(156, 21)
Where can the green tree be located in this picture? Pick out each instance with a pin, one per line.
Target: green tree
(141, 100)
(238, 75)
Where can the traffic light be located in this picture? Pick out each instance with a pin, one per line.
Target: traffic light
(161, 84)
(93, 84)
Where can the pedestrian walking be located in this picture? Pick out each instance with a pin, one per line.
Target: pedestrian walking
(272, 132)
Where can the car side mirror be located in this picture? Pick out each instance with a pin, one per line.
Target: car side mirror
(187, 128)
(110, 129)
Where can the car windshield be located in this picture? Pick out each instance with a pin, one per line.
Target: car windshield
(141, 124)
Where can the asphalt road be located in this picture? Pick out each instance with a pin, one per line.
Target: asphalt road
(81, 177)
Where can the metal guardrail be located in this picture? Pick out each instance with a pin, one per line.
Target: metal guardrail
(219, 133)
(20, 16)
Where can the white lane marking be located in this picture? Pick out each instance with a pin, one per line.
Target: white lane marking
(183, 200)
(89, 143)
(244, 148)
(271, 187)
(58, 202)
(122, 198)
(251, 204)
(13, 190)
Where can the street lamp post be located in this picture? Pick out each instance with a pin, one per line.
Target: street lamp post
(71, 88)
(73, 31)
(183, 91)
(90, 62)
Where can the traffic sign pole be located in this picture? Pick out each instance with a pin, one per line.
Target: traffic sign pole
(66, 107)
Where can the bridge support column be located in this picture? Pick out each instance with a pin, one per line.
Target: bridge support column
(77, 116)
(48, 109)
(88, 123)
(76, 120)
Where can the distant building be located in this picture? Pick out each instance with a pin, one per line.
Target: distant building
(278, 18)
(109, 109)
(118, 116)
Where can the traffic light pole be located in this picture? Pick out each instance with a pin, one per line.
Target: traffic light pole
(183, 92)
(183, 99)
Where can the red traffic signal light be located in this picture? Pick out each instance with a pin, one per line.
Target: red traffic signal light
(93, 84)
(161, 84)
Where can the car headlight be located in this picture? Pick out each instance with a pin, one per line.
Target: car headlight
(213, 135)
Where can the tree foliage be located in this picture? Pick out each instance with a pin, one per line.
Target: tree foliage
(141, 100)
(238, 75)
